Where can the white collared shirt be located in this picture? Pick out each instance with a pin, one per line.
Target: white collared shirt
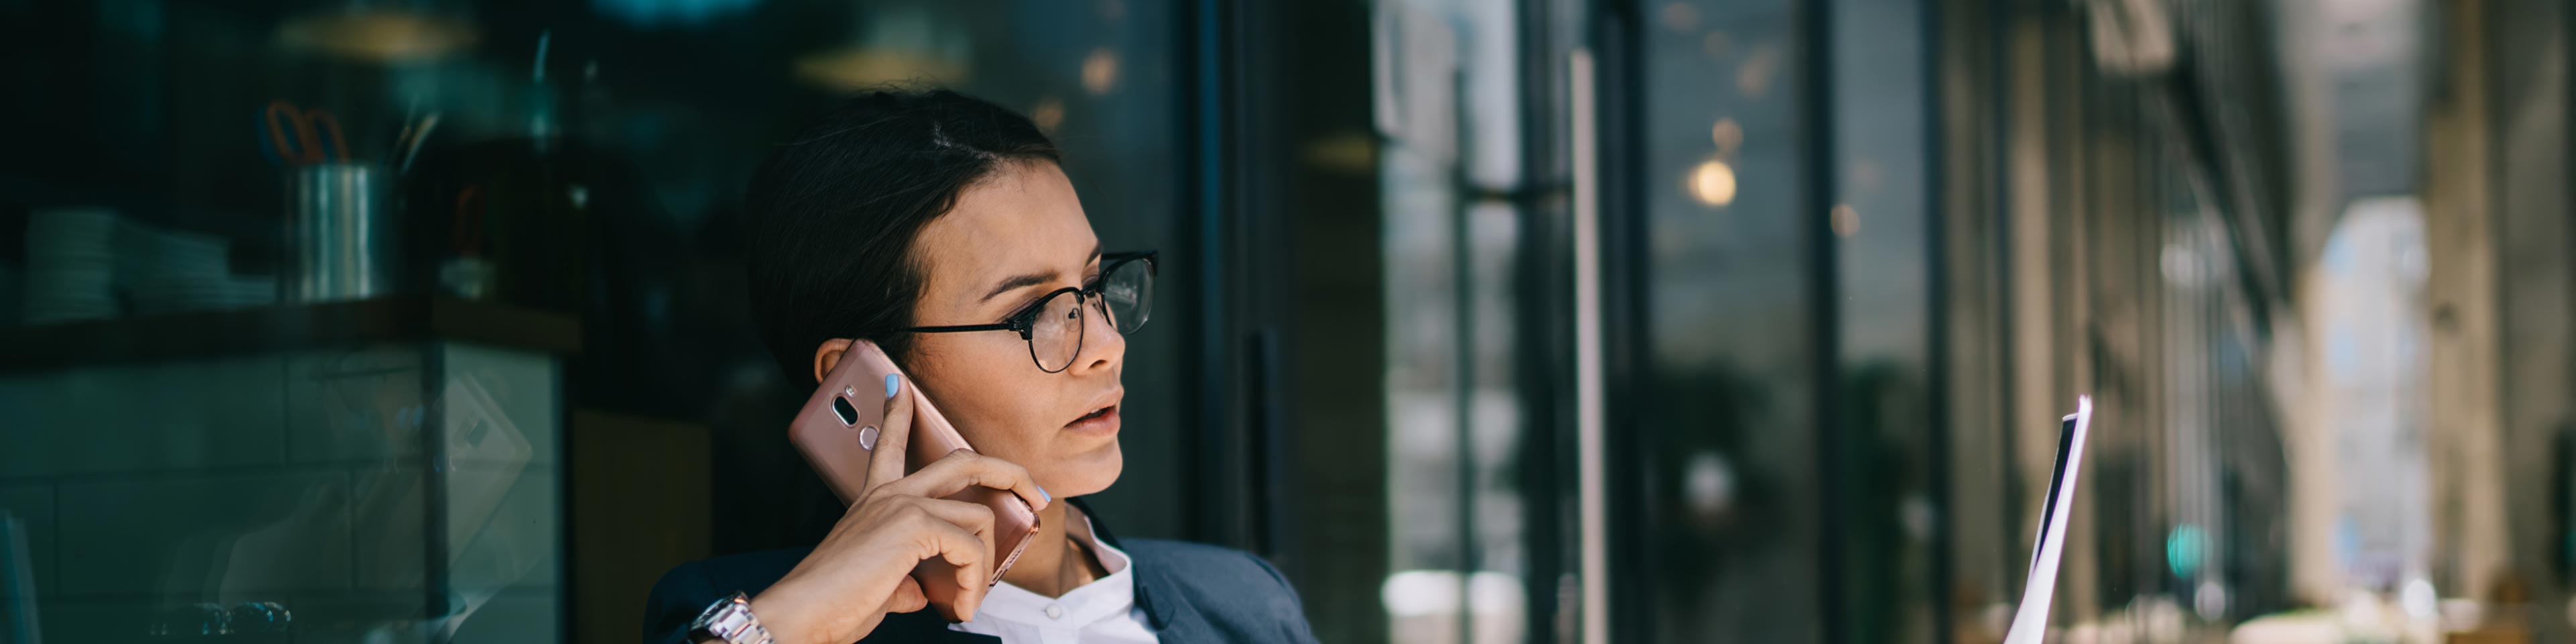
(1101, 612)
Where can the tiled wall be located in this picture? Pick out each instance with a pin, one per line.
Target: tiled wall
(295, 478)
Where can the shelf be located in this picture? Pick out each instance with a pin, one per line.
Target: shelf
(180, 336)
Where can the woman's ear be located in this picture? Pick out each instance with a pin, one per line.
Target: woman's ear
(828, 355)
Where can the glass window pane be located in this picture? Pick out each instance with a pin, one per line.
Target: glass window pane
(1734, 546)
(1889, 512)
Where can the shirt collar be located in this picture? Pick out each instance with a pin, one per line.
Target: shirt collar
(1159, 613)
(1110, 596)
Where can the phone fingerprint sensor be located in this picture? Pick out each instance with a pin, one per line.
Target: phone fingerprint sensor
(849, 415)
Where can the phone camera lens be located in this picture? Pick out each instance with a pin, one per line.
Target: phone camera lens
(841, 406)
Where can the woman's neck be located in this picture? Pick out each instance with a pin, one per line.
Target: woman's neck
(1054, 563)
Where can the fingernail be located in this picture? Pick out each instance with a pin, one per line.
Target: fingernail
(1042, 493)
(894, 383)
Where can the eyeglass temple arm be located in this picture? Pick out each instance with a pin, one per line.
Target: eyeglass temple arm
(963, 328)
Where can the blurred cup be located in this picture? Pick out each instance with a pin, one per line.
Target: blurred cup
(342, 237)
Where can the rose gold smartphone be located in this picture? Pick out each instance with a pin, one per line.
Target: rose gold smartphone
(838, 430)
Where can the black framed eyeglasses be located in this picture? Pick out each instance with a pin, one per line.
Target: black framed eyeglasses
(1054, 325)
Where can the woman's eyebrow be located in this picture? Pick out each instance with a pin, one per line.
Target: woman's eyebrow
(1017, 282)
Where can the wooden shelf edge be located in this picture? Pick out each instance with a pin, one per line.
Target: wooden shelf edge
(183, 336)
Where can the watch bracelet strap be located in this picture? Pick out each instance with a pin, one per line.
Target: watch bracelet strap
(735, 623)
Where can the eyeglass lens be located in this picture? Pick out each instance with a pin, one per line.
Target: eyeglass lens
(1126, 295)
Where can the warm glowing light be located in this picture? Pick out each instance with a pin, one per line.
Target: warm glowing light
(1100, 71)
(1713, 183)
(1846, 220)
(1753, 78)
(377, 35)
(1728, 135)
(1049, 114)
(1346, 152)
(858, 68)
(1681, 17)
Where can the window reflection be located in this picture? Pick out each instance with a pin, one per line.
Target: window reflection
(375, 268)
(1734, 528)
(1450, 165)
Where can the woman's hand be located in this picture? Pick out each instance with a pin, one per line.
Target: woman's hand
(862, 571)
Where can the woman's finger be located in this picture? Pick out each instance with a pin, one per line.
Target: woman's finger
(907, 597)
(974, 579)
(974, 517)
(894, 434)
(964, 550)
(964, 468)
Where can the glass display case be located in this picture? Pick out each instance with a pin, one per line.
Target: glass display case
(239, 474)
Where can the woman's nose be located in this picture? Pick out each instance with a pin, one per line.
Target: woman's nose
(1103, 346)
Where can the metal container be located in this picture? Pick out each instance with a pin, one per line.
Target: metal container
(343, 240)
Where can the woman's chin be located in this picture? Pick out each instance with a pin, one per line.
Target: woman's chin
(1088, 472)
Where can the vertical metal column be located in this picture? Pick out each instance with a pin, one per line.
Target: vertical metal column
(1818, 194)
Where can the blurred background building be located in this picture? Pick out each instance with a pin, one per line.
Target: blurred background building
(1487, 321)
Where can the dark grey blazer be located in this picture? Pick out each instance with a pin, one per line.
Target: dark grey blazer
(1190, 593)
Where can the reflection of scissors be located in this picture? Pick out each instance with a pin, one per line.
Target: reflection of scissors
(307, 146)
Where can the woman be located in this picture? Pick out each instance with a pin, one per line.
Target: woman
(904, 211)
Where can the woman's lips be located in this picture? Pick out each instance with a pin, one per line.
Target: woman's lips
(1103, 422)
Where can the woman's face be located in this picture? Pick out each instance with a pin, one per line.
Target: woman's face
(1011, 239)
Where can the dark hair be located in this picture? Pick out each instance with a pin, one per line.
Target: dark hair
(830, 217)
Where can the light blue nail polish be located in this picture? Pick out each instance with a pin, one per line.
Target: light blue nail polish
(894, 383)
(1042, 493)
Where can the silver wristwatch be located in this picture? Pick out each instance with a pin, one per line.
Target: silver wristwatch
(730, 621)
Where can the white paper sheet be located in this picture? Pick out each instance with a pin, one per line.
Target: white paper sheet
(2030, 622)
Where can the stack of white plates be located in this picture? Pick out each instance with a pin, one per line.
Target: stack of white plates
(71, 265)
(12, 294)
(169, 271)
(251, 291)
